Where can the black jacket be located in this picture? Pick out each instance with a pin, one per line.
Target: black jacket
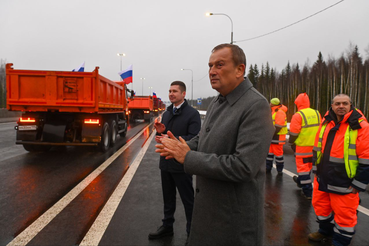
(186, 123)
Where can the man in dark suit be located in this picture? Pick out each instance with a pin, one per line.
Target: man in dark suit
(184, 121)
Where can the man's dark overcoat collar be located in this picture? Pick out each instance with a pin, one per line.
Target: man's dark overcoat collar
(234, 95)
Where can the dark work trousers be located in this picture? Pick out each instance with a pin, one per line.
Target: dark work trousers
(183, 182)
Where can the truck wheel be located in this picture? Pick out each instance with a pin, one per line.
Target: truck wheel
(114, 132)
(128, 120)
(28, 147)
(123, 134)
(36, 148)
(105, 138)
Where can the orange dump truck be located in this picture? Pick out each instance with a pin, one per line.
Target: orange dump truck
(156, 107)
(159, 106)
(141, 108)
(162, 106)
(66, 108)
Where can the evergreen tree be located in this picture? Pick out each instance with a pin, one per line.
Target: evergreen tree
(318, 77)
(251, 75)
(256, 74)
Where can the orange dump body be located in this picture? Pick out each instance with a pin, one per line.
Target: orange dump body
(141, 107)
(141, 102)
(63, 91)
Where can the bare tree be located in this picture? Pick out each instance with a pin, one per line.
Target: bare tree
(322, 81)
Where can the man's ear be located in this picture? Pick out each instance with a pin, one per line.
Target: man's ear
(241, 70)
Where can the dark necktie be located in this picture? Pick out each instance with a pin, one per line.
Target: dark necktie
(174, 110)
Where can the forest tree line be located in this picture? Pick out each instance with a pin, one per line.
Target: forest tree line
(349, 74)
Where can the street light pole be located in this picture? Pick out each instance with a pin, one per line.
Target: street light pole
(150, 90)
(191, 83)
(208, 14)
(121, 55)
(142, 92)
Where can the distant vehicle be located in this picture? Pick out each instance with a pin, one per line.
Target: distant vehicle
(156, 105)
(159, 106)
(162, 106)
(66, 108)
(141, 108)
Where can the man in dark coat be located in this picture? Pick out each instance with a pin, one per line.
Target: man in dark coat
(227, 156)
(183, 121)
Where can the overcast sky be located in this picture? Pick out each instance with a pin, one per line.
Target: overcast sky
(159, 37)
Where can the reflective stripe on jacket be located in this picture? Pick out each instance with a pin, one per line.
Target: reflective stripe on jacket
(309, 127)
(349, 151)
(280, 120)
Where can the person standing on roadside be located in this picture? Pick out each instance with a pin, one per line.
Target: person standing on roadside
(341, 164)
(279, 138)
(227, 156)
(183, 121)
(303, 128)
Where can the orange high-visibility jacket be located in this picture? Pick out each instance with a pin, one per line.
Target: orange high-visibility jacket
(298, 123)
(280, 122)
(332, 172)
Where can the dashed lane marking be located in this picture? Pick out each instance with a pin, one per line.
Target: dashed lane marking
(31, 231)
(102, 221)
(360, 208)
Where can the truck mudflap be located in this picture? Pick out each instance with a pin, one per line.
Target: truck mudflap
(53, 132)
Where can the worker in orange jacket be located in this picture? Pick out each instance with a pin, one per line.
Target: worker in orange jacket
(341, 164)
(303, 128)
(276, 147)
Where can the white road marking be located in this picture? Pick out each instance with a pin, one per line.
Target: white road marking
(363, 210)
(31, 231)
(360, 208)
(102, 221)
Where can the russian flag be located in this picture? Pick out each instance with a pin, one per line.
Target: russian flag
(126, 75)
(81, 68)
(154, 95)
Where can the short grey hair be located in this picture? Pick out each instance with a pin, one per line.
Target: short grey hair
(342, 95)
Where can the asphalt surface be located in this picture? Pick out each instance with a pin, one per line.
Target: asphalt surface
(8, 119)
(27, 193)
(289, 217)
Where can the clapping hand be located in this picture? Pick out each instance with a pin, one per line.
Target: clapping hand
(159, 127)
(171, 147)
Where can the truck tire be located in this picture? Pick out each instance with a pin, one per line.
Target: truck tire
(123, 134)
(28, 147)
(105, 138)
(114, 132)
(127, 120)
(36, 148)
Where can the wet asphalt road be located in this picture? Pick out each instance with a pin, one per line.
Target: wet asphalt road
(33, 182)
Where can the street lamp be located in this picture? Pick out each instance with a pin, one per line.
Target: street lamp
(142, 79)
(208, 14)
(150, 90)
(191, 83)
(121, 55)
